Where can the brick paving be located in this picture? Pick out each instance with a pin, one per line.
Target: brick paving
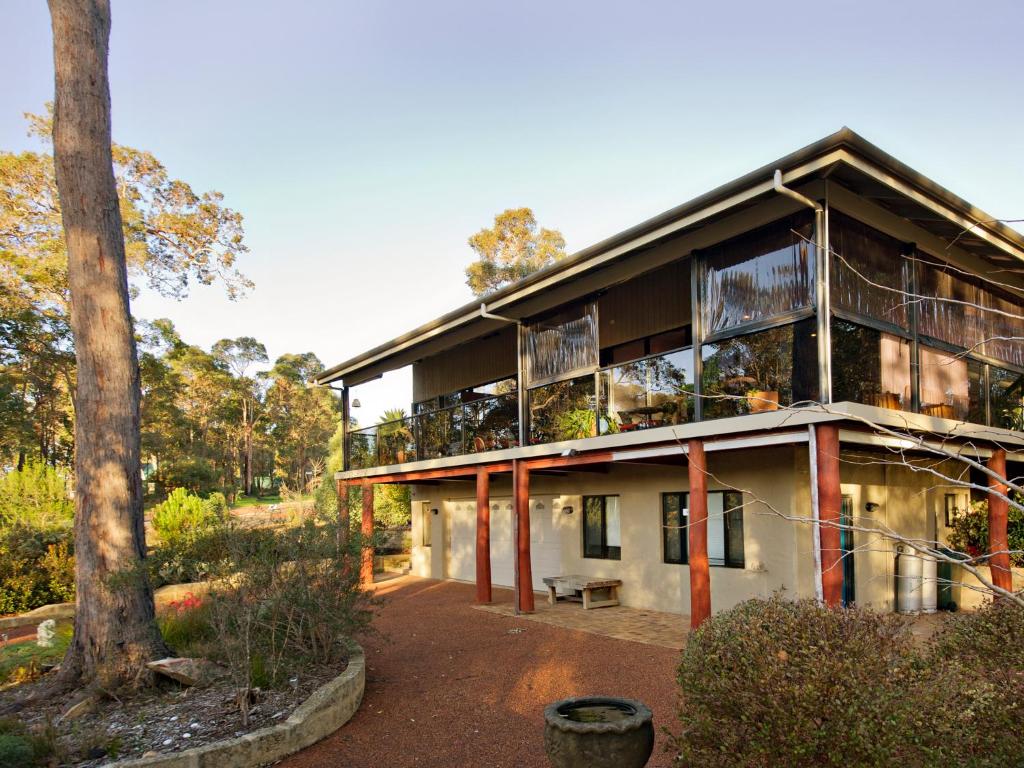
(448, 685)
(668, 630)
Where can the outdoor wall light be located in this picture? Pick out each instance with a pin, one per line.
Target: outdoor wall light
(566, 510)
(355, 403)
(434, 511)
(871, 506)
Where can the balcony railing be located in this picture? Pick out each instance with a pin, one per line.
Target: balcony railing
(486, 424)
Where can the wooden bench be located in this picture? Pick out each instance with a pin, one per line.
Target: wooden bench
(581, 589)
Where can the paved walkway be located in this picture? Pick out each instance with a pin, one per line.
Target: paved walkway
(668, 630)
(452, 686)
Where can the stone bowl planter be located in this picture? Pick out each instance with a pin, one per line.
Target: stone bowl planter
(598, 732)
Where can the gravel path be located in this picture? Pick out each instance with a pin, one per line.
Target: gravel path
(453, 686)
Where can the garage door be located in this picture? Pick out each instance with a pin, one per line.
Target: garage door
(544, 543)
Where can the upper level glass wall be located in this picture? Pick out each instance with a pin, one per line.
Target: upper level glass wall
(870, 366)
(765, 274)
(651, 392)
(760, 371)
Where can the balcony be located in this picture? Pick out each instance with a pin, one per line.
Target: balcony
(483, 424)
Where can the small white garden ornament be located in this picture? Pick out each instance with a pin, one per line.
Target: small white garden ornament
(45, 632)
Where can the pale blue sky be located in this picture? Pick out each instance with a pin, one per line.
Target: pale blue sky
(364, 142)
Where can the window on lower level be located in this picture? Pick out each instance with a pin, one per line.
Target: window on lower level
(725, 528)
(602, 527)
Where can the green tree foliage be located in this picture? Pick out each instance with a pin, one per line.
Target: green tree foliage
(174, 237)
(36, 496)
(510, 250)
(969, 532)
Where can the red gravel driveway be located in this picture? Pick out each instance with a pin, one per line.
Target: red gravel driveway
(452, 686)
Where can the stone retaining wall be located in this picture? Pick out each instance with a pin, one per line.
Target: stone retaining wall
(327, 709)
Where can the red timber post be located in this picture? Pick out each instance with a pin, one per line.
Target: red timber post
(483, 536)
(521, 480)
(366, 564)
(700, 574)
(998, 512)
(829, 503)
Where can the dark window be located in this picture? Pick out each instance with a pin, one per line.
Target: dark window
(870, 366)
(658, 344)
(952, 509)
(758, 276)
(1006, 390)
(951, 385)
(761, 371)
(725, 528)
(602, 527)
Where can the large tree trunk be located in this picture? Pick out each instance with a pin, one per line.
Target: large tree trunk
(115, 631)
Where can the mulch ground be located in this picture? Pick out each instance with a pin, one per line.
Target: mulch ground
(452, 686)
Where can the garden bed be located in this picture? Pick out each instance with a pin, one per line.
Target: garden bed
(162, 720)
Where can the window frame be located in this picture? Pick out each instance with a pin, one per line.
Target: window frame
(731, 513)
(607, 552)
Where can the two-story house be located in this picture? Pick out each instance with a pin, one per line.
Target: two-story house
(767, 360)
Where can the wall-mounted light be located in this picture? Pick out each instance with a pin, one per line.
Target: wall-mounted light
(539, 505)
(434, 511)
(871, 506)
(566, 510)
(355, 403)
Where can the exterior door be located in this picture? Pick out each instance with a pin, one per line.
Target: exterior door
(846, 545)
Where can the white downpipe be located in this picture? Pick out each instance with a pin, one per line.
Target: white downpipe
(812, 448)
(782, 189)
(491, 316)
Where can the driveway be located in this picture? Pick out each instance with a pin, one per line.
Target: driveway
(452, 686)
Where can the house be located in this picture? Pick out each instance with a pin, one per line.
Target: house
(753, 360)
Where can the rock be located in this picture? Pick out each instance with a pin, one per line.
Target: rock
(189, 672)
(150, 753)
(83, 706)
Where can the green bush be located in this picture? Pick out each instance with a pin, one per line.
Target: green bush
(204, 555)
(185, 625)
(20, 748)
(37, 567)
(774, 682)
(35, 497)
(183, 516)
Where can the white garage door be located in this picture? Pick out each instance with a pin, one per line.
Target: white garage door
(544, 545)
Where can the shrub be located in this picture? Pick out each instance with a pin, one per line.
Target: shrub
(37, 567)
(20, 748)
(290, 602)
(969, 532)
(185, 625)
(773, 682)
(35, 496)
(203, 555)
(183, 516)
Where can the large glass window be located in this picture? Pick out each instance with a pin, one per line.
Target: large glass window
(491, 423)
(562, 343)
(758, 276)
(602, 527)
(565, 410)
(1004, 328)
(652, 392)
(948, 309)
(755, 372)
(869, 275)
(1006, 392)
(870, 366)
(725, 528)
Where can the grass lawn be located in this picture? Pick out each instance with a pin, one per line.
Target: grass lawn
(265, 501)
(22, 660)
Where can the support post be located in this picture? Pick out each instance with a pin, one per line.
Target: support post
(998, 513)
(700, 574)
(483, 536)
(366, 564)
(524, 570)
(344, 515)
(829, 506)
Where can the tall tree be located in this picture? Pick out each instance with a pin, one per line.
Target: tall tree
(115, 629)
(239, 354)
(510, 250)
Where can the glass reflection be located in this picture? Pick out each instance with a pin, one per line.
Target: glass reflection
(870, 366)
(653, 392)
